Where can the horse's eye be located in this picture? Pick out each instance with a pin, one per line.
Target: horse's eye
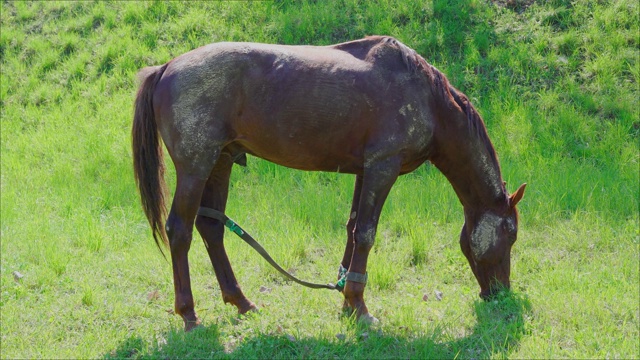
(510, 227)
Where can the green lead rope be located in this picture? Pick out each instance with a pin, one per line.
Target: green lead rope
(343, 274)
(234, 227)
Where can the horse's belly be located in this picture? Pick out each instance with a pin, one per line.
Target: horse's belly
(307, 147)
(317, 126)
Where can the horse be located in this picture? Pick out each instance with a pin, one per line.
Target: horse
(372, 107)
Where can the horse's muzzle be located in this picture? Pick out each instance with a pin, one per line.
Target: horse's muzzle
(490, 294)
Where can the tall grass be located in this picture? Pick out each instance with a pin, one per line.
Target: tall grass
(555, 81)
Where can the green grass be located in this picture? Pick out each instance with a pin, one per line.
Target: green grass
(555, 81)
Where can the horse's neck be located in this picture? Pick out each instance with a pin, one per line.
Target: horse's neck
(475, 176)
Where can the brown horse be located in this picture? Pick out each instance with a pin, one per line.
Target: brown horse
(370, 107)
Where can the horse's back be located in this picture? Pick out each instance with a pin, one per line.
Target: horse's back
(212, 70)
(307, 107)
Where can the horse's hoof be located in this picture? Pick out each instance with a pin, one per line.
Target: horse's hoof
(368, 319)
(190, 325)
(246, 307)
(253, 309)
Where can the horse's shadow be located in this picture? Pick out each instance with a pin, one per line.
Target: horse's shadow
(497, 333)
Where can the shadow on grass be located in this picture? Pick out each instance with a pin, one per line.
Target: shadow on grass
(499, 328)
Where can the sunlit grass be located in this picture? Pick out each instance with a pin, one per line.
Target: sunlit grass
(557, 85)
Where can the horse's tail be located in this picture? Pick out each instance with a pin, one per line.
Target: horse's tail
(148, 162)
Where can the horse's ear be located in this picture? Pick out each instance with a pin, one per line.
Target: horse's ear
(517, 196)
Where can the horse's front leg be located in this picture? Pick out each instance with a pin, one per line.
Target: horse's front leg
(351, 225)
(179, 228)
(377, 180)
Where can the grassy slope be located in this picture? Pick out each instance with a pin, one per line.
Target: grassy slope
(556, 83)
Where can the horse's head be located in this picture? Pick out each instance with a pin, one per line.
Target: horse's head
(486, 240)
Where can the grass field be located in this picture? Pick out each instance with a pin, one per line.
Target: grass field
(555, 81)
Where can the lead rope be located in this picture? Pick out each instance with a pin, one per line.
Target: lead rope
(343, 274)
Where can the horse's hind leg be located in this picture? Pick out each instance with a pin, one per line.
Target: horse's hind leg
(212, 232)
(179, 228)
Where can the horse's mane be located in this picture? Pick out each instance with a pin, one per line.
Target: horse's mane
(440, 85)
(448, 94)
(474, 120)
